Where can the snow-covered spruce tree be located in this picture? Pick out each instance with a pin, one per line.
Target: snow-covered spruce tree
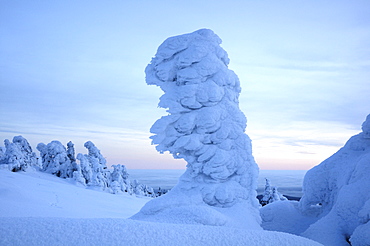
(18, 154)
(205, 127)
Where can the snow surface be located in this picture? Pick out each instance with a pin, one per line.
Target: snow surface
(206, 128)
(335, 207)
(38, 194)
(41, 209)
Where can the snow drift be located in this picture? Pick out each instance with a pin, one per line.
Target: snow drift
(205, 127)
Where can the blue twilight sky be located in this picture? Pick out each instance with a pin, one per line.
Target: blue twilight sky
(74, 70)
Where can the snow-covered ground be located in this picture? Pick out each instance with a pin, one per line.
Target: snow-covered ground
(41, 209)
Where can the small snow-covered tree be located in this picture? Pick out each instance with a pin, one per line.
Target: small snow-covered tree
(71, 156)
(71, 151)
(138, 188)
(77, 175)
(18, 154)
(98, 179)
(118, 178)
(149, 191)
(86, 169)
(94, 152)
(30, 158)
(55, 159)
(13, 156)
(276, 196)
(205, 127)
(271, 194)
(92, 167)
(267, 193)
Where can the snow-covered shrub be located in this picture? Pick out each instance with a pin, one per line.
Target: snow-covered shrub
(271, 194)
(205, 127)
(18, 154)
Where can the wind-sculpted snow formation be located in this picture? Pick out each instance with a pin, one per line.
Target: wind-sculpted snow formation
(335, 207)
(205, 127)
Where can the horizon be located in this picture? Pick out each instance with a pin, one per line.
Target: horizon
(74, 71)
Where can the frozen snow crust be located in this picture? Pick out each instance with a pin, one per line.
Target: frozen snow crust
(205, 127)
(336, 198)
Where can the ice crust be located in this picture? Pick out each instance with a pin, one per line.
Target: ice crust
(205, 127)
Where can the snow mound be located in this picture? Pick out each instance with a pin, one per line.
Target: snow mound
(205, 127)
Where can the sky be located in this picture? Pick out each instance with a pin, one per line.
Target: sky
(74, 71)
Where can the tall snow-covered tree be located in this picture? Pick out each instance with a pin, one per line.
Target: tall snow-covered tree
(206, 128)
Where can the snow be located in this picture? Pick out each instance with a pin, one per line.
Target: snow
(41, 209)
(285, 216)
(38, 194)
(335, 207)
(206, 128)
